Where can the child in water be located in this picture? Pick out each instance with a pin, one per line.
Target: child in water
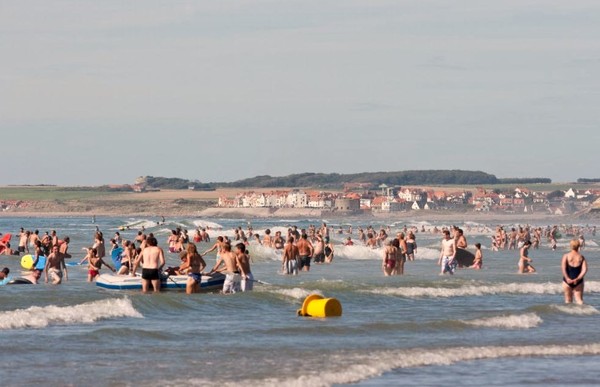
(478, 262)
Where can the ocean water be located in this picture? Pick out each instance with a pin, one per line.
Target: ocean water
(488, 327)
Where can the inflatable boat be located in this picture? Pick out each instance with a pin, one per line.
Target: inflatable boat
(174, 282)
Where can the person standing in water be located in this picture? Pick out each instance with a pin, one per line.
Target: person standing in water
(247, 282)
(478, 262)
(194, 264)
(94, 264)
(153, 260)
(447, 254)
(55, 266)
(574, 268)
(525, 265)
(290, 258)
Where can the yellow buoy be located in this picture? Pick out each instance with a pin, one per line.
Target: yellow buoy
(317, 306)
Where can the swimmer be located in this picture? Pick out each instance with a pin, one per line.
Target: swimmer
(478, 262)
(55, 266)
(244, 265)
(524, 260)
(290, 258)
(447, 254)
(328, 251)
(4, 273)
(574, 268)
(389, 259)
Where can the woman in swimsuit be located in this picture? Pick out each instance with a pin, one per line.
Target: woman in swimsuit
(389, 259)
(525, 265)
(411, 246)
(574, 268)
(127, 258)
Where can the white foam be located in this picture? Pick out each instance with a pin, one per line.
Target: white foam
(524, 321)
(352, 368)
(261, 253)
(87, 313)
(138, 224)
(576, 310)
(479, 290)
(297, 293)
(357, 252)
(205, 223)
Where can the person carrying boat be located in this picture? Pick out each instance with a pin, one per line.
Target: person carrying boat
(231, 270)
(193, 265)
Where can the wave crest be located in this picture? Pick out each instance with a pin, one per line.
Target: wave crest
(87, 313)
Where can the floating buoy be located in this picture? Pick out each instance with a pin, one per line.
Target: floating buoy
(318, 306)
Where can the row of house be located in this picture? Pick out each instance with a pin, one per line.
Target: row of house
(390, 199)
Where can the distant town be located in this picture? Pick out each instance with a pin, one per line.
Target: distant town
(365, 198)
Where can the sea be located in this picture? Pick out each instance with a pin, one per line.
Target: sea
(477, 328)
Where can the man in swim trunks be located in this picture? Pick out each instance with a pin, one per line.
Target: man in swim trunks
(290, 258)
(244, 264)
(447, 254)
(55, 266)
(231, 270)
(319, 248)
(305, 251)
(23, 239)
(153, 260)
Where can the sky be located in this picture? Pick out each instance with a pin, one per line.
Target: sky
(101, 92)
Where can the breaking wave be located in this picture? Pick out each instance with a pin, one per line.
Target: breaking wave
(87, 313)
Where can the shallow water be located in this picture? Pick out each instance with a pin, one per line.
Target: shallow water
(491, 327)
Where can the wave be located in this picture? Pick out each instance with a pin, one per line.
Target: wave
(296, 293)
(87, 313)
(357, 252)
(524, 321)
(138, 224)
(479, 290)
(576, 310)
(261, 253)
(344, 368)
(206, 224)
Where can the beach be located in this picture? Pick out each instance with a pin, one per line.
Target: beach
(418, 329)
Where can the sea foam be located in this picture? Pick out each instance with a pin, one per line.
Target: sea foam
(576, 310)
(524, 321)
(352, 368)
(297, 293)
(483, 290)
(87, 313)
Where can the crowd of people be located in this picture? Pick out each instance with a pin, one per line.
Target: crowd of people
(299, 249)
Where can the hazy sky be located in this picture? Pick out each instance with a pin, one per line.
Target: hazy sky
(95, 92)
